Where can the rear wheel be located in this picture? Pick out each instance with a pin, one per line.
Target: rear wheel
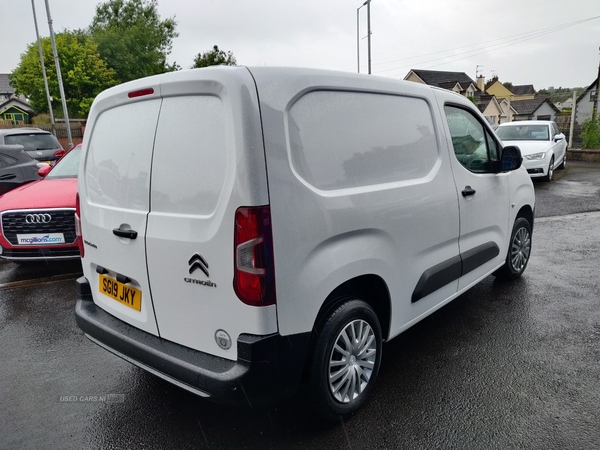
(346, 360)
(519, 251)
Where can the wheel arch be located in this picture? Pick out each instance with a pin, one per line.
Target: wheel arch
(369, 288)
(527, 213)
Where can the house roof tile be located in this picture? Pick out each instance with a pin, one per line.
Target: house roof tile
(527, 107)
(523, 89)
(437, 77)
(5, 87)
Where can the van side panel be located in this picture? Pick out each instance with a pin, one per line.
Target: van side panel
(358, 185)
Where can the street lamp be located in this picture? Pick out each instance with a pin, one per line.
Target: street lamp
(368, 5)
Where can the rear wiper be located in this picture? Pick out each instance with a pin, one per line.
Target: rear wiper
(45, 148)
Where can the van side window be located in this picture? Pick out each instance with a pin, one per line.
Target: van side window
(474, 147)
(342, 140)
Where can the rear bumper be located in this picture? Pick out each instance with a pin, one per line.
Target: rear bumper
(268, 369)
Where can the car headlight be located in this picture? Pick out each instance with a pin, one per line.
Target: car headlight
(541, 155)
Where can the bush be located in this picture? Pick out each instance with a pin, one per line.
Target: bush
(41, 119)
(590, 133)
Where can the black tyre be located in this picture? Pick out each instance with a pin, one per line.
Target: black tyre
(550, 174)
(519, 250)
(345, 360)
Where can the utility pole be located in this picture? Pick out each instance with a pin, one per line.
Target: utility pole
(369, 31)
(48, 97)
(572, 126)
(59, 76)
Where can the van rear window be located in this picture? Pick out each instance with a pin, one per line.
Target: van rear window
(117, 165)
(342, 140)
(190, 155)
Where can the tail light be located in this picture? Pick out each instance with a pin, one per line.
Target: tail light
(254, 278)
(59, 153)
(78, 225)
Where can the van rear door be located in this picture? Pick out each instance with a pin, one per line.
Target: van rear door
(115, 196)
(208, 161)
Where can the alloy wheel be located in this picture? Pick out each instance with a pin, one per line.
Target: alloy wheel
(520, 249)
(352, 361)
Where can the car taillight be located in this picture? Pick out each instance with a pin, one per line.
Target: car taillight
(78, 225)
(254, 279)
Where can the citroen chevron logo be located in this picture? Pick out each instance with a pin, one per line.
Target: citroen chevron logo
(198, 262)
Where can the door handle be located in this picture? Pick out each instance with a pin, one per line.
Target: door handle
(468, 191)
(131, 234)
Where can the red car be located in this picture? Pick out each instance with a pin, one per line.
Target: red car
(37, 219)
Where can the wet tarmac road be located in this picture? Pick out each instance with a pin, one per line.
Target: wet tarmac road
(507, 365)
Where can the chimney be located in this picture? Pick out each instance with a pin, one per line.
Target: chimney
(481, 83)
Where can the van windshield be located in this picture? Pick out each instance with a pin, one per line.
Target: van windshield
(32, 142)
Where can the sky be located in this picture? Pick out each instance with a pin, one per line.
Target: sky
(540, 42)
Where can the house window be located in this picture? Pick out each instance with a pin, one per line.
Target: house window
(469, 93)
(543, 118)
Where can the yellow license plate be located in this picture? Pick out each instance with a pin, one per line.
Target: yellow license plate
(127, 295)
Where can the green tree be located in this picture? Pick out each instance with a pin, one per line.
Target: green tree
(133, 39)
(507, 84)
(85, 74)
(214, 57)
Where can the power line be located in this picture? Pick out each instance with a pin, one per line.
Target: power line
(479, 44)
(504, 42)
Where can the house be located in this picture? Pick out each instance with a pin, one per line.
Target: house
(508, 111)
(523, 92)
(517, 92)
(567, 104)
(458, 82)
(490, 108)
(585, 103)
(539, 108)
(13, 108)
(498, 90)
(15, 111)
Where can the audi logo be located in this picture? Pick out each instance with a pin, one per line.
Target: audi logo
(38, 218)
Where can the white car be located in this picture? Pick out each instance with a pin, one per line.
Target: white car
(543, 146)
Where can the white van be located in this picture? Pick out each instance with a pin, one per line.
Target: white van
(247, 231)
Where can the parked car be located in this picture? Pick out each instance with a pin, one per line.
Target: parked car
(16, 168)
(543, 146)
(38, 218)
(38, 144)
(323, 213)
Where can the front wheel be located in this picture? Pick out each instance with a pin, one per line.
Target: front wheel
(346, 360)
(563, 164)
(550, 173)
(519, 251)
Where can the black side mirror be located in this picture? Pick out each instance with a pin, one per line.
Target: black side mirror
(511, 158)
